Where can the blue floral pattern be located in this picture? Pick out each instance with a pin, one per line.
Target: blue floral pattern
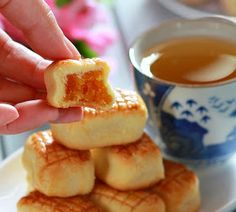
(186, 122)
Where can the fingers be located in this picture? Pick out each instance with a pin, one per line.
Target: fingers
(14, 93)
(21, 64)
(8, 114)
(35, 113)
(38, 24)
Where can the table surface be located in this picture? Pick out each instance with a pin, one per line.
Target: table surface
(131, 18)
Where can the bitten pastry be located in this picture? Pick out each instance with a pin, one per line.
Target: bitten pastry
(81, 82)
(111, 200)
(180, 189)
(122, 124)
(131, 166)
(55, 170)
(229, 6)
(37, 202)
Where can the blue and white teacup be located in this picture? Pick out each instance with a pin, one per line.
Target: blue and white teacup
(195, 124)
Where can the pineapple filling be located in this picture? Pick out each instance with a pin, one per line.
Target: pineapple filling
(86, 88)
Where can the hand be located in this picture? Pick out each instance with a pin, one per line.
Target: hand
(22, 89)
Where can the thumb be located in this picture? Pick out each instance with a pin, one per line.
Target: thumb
(8, 113)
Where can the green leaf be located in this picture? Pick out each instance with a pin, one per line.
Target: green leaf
(84, 49)
(61, 3)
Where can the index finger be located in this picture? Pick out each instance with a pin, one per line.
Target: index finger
(32, 114)
(38, 24)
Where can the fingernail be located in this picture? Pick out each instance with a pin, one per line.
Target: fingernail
(74, 52)
(69, 115)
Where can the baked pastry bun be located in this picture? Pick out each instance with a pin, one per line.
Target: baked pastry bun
(37, 202)
(180, 188)
(81, 82)
(128, 167)
(55, 170)
(111, 200)
(122, 124)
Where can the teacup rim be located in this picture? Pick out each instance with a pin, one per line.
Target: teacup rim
(220, 19)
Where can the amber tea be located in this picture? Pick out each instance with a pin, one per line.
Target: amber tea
(192, 60)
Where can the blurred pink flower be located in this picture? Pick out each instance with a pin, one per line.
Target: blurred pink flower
(99, 38)
(80, 14)
(83, 20)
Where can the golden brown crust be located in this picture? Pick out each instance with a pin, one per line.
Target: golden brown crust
(52, 152)
(169, 185)
(180, 188)
(122, 124)
(139, 164)
(173, 168)
(113, 200)
(56, 170)
(142, 147)
(40, 202)
(125, 101)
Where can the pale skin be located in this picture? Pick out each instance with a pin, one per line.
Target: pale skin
(22, 98)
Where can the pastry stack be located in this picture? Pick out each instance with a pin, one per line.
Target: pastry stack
(105, 162)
